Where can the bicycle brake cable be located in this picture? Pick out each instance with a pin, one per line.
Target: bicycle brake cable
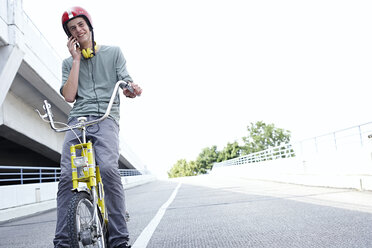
(64, 124)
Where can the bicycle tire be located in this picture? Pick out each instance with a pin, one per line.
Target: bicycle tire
(80, 212)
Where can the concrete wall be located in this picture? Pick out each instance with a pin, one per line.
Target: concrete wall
(22, 200)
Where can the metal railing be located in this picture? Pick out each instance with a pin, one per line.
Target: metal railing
(130, 172)
(11, 175)
(278, 152)
(345, 139)
(27, 174)
(342, 140)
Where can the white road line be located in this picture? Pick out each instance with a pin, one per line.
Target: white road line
(145, 236)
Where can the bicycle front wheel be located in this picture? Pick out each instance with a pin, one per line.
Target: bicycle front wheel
(83, 232)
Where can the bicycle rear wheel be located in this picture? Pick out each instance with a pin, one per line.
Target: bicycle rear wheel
(82, 233)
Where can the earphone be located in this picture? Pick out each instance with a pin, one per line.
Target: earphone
(88, 53)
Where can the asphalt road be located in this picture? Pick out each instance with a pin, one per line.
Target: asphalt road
(219, 212)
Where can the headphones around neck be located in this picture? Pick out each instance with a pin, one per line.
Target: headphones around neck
(88, 53)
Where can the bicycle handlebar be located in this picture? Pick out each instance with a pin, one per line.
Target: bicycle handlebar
(49, 114)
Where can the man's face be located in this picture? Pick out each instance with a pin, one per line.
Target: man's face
(79, 29)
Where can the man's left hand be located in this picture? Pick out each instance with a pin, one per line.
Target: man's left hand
(137, 91)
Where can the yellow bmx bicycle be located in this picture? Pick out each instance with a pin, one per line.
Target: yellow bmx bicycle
(87, 215)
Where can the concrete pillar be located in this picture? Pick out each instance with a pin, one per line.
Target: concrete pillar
(11, 58)
(11, 55)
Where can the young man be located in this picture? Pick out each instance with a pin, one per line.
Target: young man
(88, 80)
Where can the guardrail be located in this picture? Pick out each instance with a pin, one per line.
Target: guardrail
(130, 172)
(25, 174)
(10, 175)
(345, 139)
(282, 151)
(342, 140)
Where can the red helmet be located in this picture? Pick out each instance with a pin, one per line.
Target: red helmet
(72, 13)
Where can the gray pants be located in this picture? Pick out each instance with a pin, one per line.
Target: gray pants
(105, 138)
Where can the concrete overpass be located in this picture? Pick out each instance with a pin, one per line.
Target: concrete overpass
(30, 72)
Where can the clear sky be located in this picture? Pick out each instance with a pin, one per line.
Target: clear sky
(210, 67)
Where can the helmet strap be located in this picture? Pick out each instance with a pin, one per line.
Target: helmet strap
(93, 43)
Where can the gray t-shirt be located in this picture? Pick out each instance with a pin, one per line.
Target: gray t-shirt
(97, 78)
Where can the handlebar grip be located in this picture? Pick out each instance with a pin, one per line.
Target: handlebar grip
(130, 88)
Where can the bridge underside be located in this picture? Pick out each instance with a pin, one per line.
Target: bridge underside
(18, 150)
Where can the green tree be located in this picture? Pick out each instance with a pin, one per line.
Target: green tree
(192, 169)
(230, 151)
(206, 158)
(262, 136)
(182, 169)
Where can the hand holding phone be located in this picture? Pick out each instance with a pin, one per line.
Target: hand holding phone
(74, 47)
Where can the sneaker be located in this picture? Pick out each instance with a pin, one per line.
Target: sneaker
(123, 245)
